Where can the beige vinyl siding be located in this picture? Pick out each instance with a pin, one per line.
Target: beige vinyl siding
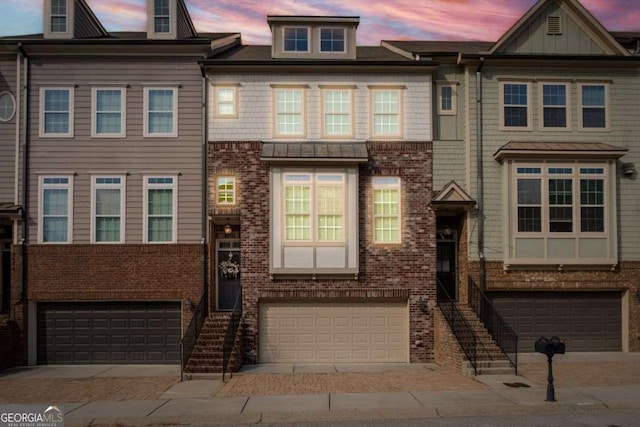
(133, 154)
(8, 131)
(534, 38)
(624, 91)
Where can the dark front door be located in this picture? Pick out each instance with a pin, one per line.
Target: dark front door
(228, 274)
(446, 267)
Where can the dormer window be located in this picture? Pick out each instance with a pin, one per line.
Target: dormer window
(332, 40)
(161, 17)
(296, 39)
(58, 16)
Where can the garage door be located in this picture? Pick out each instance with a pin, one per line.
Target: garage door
(585, 321)
(109, 332)
(329, 333)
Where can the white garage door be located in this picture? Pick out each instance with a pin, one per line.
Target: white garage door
(335, 332)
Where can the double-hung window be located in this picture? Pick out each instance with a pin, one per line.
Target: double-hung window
(58, 16)
(593, 106)
(332, 40)
(226, 102)
(161, 16)
(56, 112)
(338, 112)
(555, 106)
(386, 210)
(160, 112)
(289, 112)
(515, 105)
(296, 39)
(160, 209)
(108, 209)
(386, 113)
(109, 110)
(55, 211)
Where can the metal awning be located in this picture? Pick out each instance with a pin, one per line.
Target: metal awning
(10, 210)
(559, 149)
(352, 152)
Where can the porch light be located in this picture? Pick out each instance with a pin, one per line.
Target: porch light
(227, 230)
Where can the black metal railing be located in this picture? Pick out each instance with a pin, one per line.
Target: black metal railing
(463, 332)
(498, 328)
(230, 334)
(190, 337)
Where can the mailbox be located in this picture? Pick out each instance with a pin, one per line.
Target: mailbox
(549, 346)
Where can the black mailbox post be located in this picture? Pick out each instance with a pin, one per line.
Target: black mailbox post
(550, 347)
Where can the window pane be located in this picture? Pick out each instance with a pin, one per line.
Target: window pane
(7, 106)
(58, 24)
(555, 117)
(593, 118)
(593, 96)
(298, 212)
(160, 100)
(592, 201)
(56, 100)
(161, 7)
(108, 123)
(226, 190)
(529, 219)
(58, 7)
(554, 95)
(107, 229)
(160, 122)
(296, 40)
(332, 40)
(55, 229)
(108, 201)
(446, 93)
(160, 229)
(56, 201)
(386, 211)
(56, 122)
(592, 219)
(160, 201)
(515, 116)
(515, 105)
(529, 192)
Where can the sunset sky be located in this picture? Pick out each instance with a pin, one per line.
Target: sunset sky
(379, 19)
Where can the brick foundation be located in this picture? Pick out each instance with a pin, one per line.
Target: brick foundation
(447, 350)
(412, 270)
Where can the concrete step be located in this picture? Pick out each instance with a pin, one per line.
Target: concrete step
(490, 367)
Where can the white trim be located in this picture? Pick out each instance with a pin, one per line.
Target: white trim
(541, 106)
(41, 130)
(344, 40)
(454, 95)
(607, 107)
(376, 186)
(502, 106)
(15, 106)
(69, 187)
(123, 113)
(400, 114)
(307, 28)
(122, 187)
(145, 201)
(302, 113)
(234, 102)
(351, 114)
(174, 133)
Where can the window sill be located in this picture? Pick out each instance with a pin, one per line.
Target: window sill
(604, 264)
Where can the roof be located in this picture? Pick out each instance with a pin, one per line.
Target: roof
(8, 209)
(115, 37)
(315, 151)
(263, 53)
(440, 47)
(538, 149)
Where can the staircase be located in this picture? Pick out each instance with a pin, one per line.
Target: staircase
(207, 354)
(490, 359)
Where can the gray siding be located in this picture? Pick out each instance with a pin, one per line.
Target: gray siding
(8, 131)
(83, 25)
(624, 128)
(183, 23)
(134, 154)
(534, 38)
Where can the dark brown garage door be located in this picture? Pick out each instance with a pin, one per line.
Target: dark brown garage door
(109, 332)
(586, 321)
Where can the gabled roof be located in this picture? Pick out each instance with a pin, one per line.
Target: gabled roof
(452, 198)
(599, 34)
(434, 47)
(518, 149)
(185, 17)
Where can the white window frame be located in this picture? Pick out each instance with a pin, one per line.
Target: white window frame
(502, 106)
(400, 114)
(542, 107)
(145, 207)
(309, 41)
(302, 113)
(167, 17)
(217, 101)
(234, 184)
(454, 108)
(350, 114)
(344, 38)
(9, 96)
(70, 111)
(65, 16)
(95, 112)
(122, 187)
(42, 186)
(174, 133)
(607, 107)
(381, 183)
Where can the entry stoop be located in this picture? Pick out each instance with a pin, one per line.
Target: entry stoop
(490, 367)
(207, 354)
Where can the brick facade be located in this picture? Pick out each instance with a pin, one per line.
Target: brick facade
(13, 350)
(447, 350)
(407, 269)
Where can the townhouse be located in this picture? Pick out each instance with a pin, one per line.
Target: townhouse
(112, 231)
(539, 129)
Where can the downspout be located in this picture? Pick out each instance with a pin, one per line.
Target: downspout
(25, 174)
(205, 203)
(479, 171)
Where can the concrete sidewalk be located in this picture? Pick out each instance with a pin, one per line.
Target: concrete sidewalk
(148, 395)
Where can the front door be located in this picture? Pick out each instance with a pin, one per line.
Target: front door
(446, 264)
(228, 273)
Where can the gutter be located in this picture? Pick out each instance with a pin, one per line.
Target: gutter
(25, 175)
(479, 176)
